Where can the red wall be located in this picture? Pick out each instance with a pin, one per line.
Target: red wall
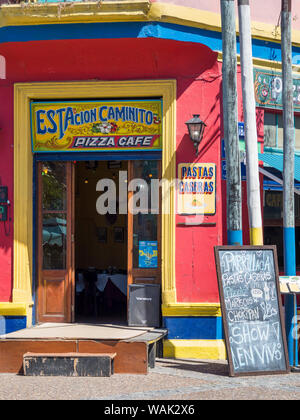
(195, 267)
(198, 76)
(6, 178)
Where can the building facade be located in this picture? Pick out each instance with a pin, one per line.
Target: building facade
(89, 89)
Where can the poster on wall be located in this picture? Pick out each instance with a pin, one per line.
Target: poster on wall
(196, 188)
(268, 89)
(147, 254)
(96, 125)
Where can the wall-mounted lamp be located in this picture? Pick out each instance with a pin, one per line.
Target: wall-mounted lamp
(196, 129)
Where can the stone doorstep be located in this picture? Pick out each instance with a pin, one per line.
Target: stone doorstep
(68, 364)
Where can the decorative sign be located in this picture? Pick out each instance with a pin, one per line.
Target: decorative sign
(148, 254)
(224, 172)
(242, 148)
(273, 205)
(95, 126)
(196, 188)
(268, 89)
(289, 284)
(241, 130)
(251, 309)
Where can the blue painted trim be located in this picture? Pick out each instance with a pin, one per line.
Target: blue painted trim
(290, 304)
(278, 150)
(289, 249)
(10, 324)
(219, 327)
(71, 156)
(213, 39)
(110, 31)
(290, 313)
(235, 237)
(2, 325)
(95, 101)
(82, 156)
(270, 185)
(193, 328)
(34, 237)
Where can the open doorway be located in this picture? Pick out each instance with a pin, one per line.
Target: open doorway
(100, 247)
(88, 261)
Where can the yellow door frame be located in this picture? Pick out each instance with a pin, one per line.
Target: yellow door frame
(23, 170)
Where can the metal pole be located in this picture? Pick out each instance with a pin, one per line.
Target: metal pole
(288, 174)
(253, 187)
(230, 122)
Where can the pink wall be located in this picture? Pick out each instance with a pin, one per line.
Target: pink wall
(195, 244)
(6, 178)
(267, 11)
(198, 76)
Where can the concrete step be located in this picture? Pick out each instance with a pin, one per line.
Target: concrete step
(133, 355)
(68, 364)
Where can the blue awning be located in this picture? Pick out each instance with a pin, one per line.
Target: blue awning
(275, 160)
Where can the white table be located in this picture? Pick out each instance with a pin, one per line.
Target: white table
(119, 280)
(80, 286)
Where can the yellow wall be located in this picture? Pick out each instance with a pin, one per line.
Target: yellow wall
(23, 167)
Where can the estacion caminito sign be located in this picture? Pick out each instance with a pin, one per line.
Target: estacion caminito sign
(96, 125)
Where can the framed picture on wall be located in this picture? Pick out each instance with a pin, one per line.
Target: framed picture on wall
(101, 234)
(118, 234)
(114, 164)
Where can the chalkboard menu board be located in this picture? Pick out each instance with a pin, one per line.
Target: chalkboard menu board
(251, 309)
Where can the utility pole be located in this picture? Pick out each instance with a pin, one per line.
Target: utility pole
(230, 123)
(253, 187)
(288, 176)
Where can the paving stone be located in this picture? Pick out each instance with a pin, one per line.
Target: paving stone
(170, 380)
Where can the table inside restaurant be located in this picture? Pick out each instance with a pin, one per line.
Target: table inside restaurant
(119, 280)
(97, 289)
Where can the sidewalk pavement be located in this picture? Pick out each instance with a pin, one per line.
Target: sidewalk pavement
(171, 379)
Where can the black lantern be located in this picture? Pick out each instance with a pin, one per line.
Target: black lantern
(196, 129)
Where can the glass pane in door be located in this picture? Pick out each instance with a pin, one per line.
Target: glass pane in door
(145, 223)
(54, 215)
(54, 180)
(54, 241)
(55, 270)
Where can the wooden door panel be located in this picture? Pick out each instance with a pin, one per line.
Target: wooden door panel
(55, 246)
(145, 280)
(148, 275)
(143, 227)
(54, 295)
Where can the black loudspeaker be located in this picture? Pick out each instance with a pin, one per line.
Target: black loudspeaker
(144, 305)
